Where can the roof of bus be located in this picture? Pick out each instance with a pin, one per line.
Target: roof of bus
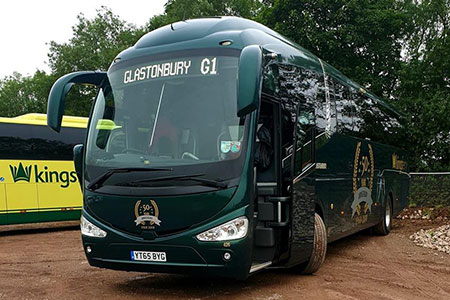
(210, 32)
(41, 119)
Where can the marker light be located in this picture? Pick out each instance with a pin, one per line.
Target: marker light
(232, 230)
(89, 229)
(226, 43)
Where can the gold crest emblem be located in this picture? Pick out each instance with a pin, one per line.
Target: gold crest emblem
(363, 171)
(147, 214)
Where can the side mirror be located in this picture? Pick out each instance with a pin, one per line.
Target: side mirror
(57, 96)
(249, 79)
(78, 161)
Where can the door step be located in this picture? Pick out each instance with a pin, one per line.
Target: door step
(258, 266)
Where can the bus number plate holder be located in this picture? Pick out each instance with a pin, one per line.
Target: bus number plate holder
(148, 256)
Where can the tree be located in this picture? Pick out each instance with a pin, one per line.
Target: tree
(363, 39)
(93, 46)
(424, 90)
(20, 95)
(177, 10)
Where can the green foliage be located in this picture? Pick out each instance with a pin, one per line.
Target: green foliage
(94, 43)
(187, 9)
(430, 190)
(20, 95)
(93, 46)
(424, 90)
(177, 10)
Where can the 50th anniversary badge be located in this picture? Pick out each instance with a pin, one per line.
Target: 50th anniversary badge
(147, 214)
(363, 171)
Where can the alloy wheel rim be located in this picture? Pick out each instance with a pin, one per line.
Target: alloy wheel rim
(388, 214)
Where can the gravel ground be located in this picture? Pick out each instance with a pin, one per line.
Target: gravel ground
(437, 239)
(49, 263)
(426, 213)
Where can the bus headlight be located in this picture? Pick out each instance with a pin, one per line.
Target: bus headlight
(232, 230)
(89, 229)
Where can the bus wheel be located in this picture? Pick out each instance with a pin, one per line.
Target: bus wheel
(384, 227)
(319, 247)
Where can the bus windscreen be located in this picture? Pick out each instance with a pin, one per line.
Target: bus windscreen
(175, 112)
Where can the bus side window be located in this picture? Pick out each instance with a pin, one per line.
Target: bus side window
(344, 108)
(359, 113)
(325, 108)
(332, 115)
(48, 144)
(375, 121)
(305, 127)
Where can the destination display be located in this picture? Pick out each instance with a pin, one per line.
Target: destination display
(183, 67)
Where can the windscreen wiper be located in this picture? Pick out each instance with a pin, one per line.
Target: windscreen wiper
(193, 177)
(99, 181)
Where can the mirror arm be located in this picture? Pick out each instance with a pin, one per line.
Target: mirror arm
(57, 96)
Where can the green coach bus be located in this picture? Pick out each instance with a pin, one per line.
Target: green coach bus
(218, 147)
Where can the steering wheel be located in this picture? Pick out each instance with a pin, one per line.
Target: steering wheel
(189, 155)
(133, 150)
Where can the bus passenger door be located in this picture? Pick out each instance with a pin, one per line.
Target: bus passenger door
(268, 206)
(303, 186)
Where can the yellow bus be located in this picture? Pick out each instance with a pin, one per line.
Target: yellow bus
(38, 182)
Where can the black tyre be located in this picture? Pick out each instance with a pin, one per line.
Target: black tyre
(384, 227)
(319, 247)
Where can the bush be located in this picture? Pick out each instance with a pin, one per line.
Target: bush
(430, 190)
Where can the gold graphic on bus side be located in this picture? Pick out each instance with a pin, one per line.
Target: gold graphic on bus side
(146, 213)
(363, 171)
(397, 163)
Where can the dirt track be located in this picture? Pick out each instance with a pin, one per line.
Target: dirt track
(50, 264)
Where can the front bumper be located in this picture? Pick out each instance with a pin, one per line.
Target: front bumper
(185, 254)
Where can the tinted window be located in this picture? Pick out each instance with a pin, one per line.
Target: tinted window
(332, 103)
(21, 141)
(374, 120)
(305, 124)
(344, 107)
(56, 146)
(270, 80)
(305, 87)
(362, 109)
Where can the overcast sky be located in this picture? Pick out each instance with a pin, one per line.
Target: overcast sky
(26, 27)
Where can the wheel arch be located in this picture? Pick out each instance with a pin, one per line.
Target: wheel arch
(390, 197)
(319, 210)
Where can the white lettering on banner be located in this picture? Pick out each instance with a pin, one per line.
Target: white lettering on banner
(177, 68)
(147, 218)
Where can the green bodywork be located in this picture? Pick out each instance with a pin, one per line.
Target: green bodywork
(185, 253)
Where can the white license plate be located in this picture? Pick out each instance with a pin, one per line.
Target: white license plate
(148, 256)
